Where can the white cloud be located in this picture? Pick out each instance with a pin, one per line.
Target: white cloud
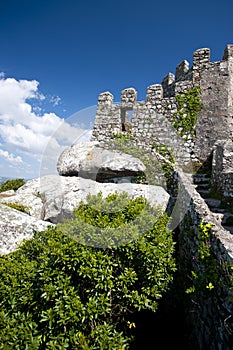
(27, 132)
(23, 137)
(55, 100)
(10, 157)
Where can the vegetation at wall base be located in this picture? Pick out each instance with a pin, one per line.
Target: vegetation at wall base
(56, 293)
(209, 278)
(157, 173)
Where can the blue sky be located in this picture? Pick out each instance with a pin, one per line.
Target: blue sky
(57, 56)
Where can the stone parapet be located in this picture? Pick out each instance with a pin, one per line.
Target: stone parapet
(154, 94)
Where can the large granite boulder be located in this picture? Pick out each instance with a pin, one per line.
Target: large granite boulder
(63, 194)
(16, 226)
(89, 160)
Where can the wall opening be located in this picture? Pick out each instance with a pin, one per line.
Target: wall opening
(126, 119)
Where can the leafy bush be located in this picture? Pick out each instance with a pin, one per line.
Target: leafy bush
(56, 293)
(11, 185)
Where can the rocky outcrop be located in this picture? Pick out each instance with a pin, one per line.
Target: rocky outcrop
(52, 199)
(16, 226)
(90, 161)
(63, 194)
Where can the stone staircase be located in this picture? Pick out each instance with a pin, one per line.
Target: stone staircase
(223, 215)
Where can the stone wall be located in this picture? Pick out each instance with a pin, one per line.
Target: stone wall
(216, 115)
(208, 312)
(222, 168)
(153, 119)
(108, 119)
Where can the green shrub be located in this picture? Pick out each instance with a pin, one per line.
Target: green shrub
(11, 185)
(56, 293)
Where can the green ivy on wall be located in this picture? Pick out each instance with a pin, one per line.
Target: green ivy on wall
(188, 107)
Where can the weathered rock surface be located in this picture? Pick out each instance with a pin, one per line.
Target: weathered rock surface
(28, 195)
(16, 226)
(89, 160)
(63, 194)
(52, 199)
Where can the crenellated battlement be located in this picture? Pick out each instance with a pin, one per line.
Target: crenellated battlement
(105, 99)
(152, 120)
(154, 94)
(183, 72)
(128, 98)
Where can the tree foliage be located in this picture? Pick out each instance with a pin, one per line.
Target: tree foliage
(57, 292)
(11, 185)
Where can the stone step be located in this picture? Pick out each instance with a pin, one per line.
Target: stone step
(202, 186)
(228, 228)
(227, 218)
(213, 203)
(200, 179)
(204, 193)
(218, 210)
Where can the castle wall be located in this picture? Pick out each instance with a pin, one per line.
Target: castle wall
(152, 124)
(229, 57)
(208, 312)
(153, 119)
